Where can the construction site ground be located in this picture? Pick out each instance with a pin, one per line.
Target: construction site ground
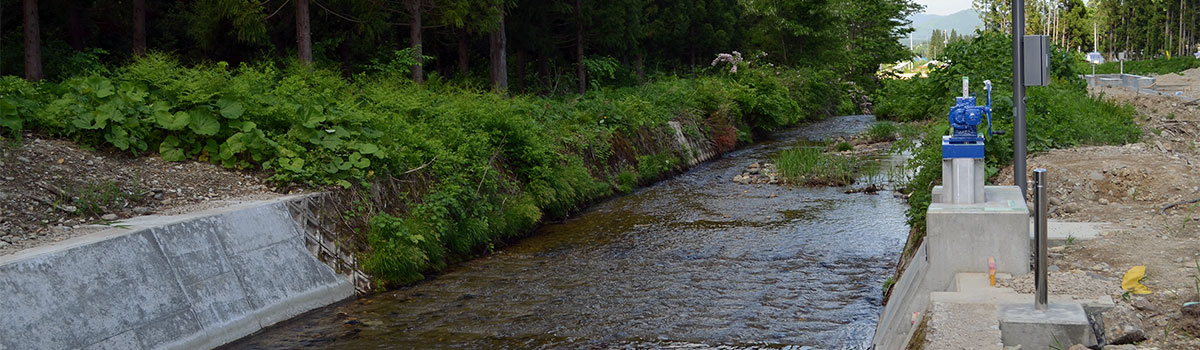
(1148, 193)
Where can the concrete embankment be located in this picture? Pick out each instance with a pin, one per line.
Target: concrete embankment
(193, 281)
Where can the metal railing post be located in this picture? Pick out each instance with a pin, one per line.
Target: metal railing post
(1039, 180)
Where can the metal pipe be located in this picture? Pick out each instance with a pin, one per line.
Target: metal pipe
(1039, 180)
(1018, 35)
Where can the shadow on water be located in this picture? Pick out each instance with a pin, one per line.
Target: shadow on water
(696, 261)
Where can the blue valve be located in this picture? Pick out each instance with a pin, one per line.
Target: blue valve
(965, 117)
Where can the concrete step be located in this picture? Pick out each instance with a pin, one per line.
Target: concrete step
(956, 326)
(979, 282)
(1062, 232)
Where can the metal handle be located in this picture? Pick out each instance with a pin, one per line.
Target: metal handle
(1039, 180)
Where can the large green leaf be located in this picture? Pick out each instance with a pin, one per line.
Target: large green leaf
(9, 116)
(99, 86)
(118, 137)
(170, 151)
(204, 123)
(169, 121)
(230, 109)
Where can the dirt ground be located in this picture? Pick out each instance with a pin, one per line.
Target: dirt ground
(1187, 83)
(53, 190)
(1129, 186)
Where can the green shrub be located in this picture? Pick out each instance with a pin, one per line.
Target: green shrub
(811, 166)
(882, 131)
(843, 146)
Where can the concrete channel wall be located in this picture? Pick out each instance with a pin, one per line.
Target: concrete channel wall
(194, 281)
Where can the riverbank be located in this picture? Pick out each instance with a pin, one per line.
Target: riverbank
(697, 260)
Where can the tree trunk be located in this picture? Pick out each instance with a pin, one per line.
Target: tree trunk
(344, 54)
(498, 41)
(463, 58)
(580, 70)
(33, 42)
(75, 30)
(303, 33)
(414, 37)
(639, 64)
(139, 27)
(543, 69)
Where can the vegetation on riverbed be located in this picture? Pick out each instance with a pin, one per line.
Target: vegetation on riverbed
(812, 166)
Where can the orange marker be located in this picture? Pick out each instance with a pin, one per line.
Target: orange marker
(992, 270)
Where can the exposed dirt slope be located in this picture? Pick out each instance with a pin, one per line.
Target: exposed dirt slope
(51, 190)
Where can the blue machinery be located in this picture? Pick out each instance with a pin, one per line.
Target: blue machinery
(965, 116)
(962, 150)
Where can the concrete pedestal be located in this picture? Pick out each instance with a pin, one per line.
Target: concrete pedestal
(1058, 327)
(963, 179)
(961, 237)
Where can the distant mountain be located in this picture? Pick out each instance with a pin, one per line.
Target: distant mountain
(964, 22)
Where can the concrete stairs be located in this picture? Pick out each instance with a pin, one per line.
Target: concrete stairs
(969, 317)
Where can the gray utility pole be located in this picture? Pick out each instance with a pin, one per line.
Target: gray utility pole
(1018, 35)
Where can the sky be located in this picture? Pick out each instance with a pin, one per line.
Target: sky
(944, 7)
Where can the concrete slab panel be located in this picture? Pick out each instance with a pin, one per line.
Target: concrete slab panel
(165, 283)
(256, 227)
(69, 299)
(218, 300)
(1061, 325)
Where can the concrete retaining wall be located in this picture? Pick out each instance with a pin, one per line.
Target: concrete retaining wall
(183, 282)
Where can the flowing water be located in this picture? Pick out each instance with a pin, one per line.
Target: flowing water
(696, 261)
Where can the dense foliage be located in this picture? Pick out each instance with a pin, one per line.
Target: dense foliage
(1057, 116)
(498, 164)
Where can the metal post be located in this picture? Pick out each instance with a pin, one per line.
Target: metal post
(1018, 35)
(1039, 180)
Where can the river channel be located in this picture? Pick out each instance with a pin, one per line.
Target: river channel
(695, 261)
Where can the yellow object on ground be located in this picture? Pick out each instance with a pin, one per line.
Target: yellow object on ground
(1132, 280)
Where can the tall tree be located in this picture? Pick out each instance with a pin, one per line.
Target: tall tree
(498, 43)
(414, 36)
(33, 41)
(139, 27)
(303, 33)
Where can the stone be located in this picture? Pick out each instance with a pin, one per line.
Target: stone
(1120, 347)
(1070, 208)
(1143, 304)
(1189, 319)
(142, 210)
(1103, 201)
(3, 244)
(1122, 325)
(109, 217)
(1055, 201)
(23, 159)
(1078, 347)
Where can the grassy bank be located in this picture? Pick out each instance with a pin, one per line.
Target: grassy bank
(490, 166)
(1060, 115)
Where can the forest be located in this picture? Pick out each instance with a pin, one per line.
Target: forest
(1141, 28)
(522, 45)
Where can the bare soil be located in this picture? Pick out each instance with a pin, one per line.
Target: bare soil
(1128, 186)
(52, 190)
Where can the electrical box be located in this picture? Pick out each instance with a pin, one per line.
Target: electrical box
(1037, 60)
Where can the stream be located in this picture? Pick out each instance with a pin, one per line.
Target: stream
(692, 262)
